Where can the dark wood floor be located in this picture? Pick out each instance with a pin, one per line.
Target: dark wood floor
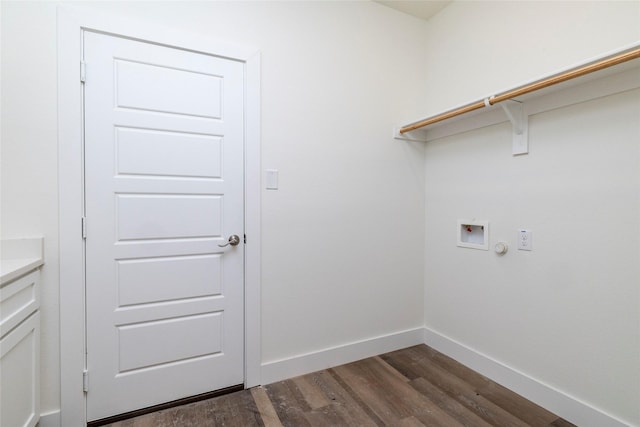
(417, 386)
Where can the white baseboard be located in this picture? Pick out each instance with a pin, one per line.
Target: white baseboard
(50, 419)
(306, 363)
(568, 407)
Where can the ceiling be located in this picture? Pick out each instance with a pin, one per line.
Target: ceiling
(423, 9)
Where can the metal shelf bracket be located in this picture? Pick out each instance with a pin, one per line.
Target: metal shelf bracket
(520, 123)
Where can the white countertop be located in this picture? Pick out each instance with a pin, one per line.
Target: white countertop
(20, 256)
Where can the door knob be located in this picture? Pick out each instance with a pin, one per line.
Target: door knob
(233, 241)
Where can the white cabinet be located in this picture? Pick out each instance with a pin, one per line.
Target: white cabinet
(19, 345)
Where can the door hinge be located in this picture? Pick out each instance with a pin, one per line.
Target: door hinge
(85, 381)
(83, 71)
(84, 227)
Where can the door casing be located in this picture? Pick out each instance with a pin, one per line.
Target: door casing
(71, 22)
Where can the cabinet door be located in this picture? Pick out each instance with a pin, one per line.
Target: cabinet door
(19, 374)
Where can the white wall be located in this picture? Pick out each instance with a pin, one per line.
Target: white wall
(29, 186)
(343, 237)
(566, 314)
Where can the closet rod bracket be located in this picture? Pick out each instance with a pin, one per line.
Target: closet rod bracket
(417, 137)
(515, 111)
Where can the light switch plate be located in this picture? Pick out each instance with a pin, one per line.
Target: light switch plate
(271, 179)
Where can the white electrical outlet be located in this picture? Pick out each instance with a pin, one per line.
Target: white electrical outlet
(525, 240)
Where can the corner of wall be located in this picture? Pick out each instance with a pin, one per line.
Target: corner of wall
(556, 401)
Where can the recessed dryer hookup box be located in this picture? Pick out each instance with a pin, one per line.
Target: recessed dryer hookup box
(473, 234)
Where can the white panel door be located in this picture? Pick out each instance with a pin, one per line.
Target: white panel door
(163, 189)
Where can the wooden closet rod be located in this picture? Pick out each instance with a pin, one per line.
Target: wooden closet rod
(531, 87)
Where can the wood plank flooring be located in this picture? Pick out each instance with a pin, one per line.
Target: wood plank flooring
(416, 386)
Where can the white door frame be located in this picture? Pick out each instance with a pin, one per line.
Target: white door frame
(71, 22)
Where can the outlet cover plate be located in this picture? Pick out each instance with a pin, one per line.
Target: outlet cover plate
(525, 240)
